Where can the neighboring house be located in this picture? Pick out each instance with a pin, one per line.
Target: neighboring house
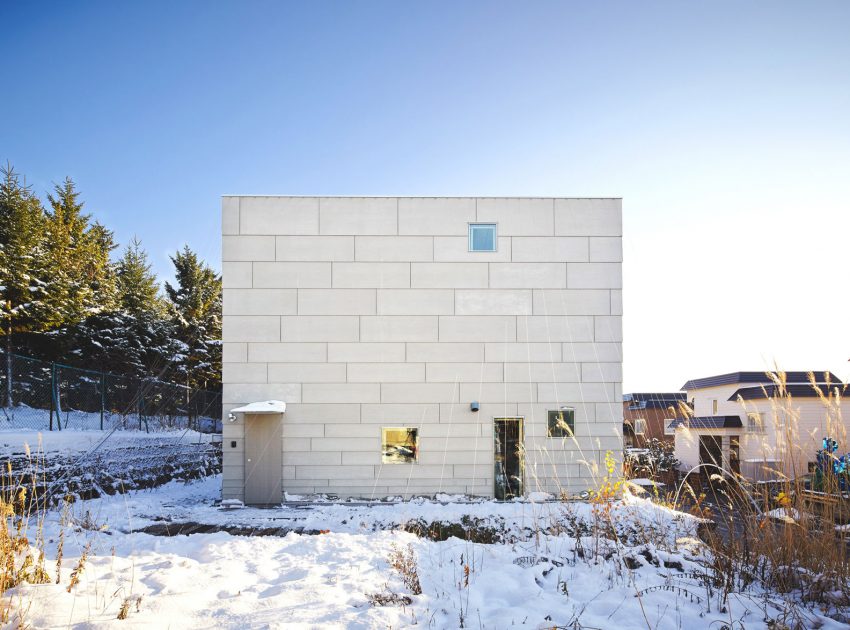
(743, 422)
(419, 345)
(648, 416)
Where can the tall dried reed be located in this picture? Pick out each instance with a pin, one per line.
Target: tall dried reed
(22, 557)
(782, 533)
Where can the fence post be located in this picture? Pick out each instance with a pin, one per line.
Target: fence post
(52, 391)
(102, 396)
(57, 400)
(9, 402)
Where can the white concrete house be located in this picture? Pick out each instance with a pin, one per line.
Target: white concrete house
(420, 345)
(746, 423)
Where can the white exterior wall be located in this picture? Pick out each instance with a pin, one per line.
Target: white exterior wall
(362, 313)
(794, 431)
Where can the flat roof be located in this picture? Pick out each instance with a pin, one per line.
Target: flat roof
(419, 196)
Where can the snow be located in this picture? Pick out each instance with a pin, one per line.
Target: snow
(18, 441)
(25, 418)
(266, 406)
(646, 483)
(88, 463)
(786, 515)
(542, 572)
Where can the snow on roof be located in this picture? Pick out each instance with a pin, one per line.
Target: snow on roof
(642, 481)
(266, 406)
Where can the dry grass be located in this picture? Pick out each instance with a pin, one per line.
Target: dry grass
(77, 572)
(23, 552)
(795, 564)
(781, 535)
(387, 598)
(404, 561)
(124, 611)
(22, 557)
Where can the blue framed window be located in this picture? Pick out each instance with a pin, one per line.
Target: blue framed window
(482, 237)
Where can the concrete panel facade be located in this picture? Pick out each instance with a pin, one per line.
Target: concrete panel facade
(370, 313)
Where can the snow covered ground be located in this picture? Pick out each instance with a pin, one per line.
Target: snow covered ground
(19, 441)
(547, 570)
(23, 417)
(90, 463)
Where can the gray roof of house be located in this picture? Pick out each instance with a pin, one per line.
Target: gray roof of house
(758, 377)
(654, 400)
(796, 390)
(709, 422)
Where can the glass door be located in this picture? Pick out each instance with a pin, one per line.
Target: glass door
(508, 457)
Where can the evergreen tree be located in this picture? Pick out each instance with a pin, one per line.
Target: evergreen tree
(101, 270)
(138, 345)
(61, 297)
(22, 264)
(135, 339)
(80, 280)
(138, 289)
(195, 306)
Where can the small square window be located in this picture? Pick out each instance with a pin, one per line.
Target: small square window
(482, 237)
(399, 445)
(669, 428)
(640, 426)
(562, 422)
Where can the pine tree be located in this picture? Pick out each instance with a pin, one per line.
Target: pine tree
(62, 298)
(136, 339)
(100, 269)
(80, 280)
(22, 263)
(138, 289)
(195, 306)
(138, 345)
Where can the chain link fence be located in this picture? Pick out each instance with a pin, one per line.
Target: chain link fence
(47, 396)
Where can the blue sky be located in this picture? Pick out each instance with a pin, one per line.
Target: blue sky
(723, 125)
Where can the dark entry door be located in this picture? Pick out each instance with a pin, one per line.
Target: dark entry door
(509, 457)
(711, 451)
(735, 454)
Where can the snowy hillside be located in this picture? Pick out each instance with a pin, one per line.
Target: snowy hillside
(91, 463)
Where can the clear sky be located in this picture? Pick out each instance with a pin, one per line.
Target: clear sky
(725, 126)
